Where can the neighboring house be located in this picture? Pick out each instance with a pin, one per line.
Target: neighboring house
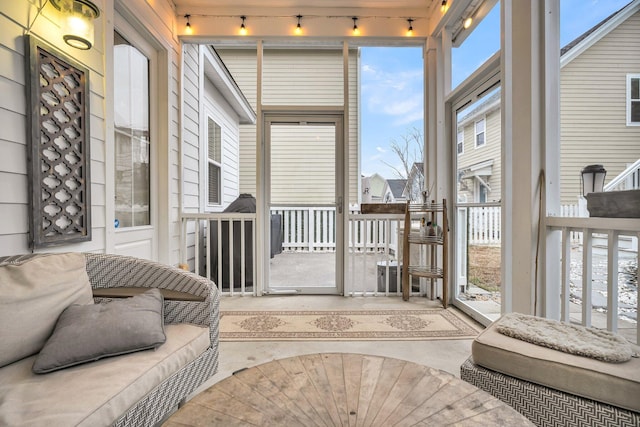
(373, 188)
(393, 191)
(600, 113)
(478, 148)
(600, 100)
(415, 183)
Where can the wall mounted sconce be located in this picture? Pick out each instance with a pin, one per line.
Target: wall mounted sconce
(410, 29)
(188, 30)
(243, 29)
(356, 30)
(77, 27)
(298, 29)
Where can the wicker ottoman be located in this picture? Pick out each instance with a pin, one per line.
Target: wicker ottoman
(545, 406)
(553, 387)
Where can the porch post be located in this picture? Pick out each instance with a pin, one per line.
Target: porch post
(530, 109)
(262, 210)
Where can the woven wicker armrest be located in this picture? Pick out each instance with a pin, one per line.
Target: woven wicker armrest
(189, 298)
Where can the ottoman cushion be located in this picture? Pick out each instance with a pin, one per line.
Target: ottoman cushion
(617, 384)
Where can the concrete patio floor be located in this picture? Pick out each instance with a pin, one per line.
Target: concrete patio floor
(444, 354)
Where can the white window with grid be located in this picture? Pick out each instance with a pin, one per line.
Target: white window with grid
(480, 133)
(214, 163)
(633, 99)
(460, 141)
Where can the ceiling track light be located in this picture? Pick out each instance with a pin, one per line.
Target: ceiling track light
(410, 29)
(444, 6)
(243, 29)
(467, 22)
(298, 29)
(188, 29)
(356, 30)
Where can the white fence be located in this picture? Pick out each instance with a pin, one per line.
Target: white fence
(484, 225)
(313, 229)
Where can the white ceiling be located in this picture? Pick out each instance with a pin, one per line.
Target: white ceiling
(305, 4)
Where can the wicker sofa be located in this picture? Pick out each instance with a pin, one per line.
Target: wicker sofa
(135, 389)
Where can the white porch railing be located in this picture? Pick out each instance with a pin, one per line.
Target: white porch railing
(304, 229)
(629, 179)
(612, 228)
(373, 252)
(221, 246)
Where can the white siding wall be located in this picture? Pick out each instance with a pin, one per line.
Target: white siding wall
(593, 94)
(227, 119)
(191, 128)
(195, 121)
(21, 17)
(294, 78)
(308, 77)
(242, 65)
(297, 153)
(15, 19)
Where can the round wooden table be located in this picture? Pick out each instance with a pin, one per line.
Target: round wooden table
(336, 389)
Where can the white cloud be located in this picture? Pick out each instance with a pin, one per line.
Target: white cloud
(393, 94)
(381, 150)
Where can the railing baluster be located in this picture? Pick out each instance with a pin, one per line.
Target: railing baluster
(219, 243)
(232, 270)
(197, 247)
(612, 281)
(566, 275)
(587, 276)
(242, 257)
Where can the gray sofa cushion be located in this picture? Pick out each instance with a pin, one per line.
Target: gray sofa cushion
(33, 295)
(85, 333)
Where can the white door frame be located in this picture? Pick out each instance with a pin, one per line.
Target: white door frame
(310, 115)
(129, 240)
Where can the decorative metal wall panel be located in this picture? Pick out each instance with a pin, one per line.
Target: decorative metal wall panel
(58, 96)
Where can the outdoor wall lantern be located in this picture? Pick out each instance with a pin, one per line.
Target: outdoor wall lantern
(593, 179)
(77, 28)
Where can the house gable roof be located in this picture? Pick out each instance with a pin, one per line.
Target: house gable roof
(597, 32)
(396, 186)
(223, 81)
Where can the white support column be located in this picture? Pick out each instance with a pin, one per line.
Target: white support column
(430, 110)
(549, 268)
(262, 210)
(529, 104)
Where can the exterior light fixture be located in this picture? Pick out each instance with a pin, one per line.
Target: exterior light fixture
(243, 29)
(467, 23)
(77, 28)
(410, 29)
(356, 30)
(188, 28)
(444, 6)
(593, 179)
(298, 29)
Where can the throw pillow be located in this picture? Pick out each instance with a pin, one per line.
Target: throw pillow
(85, 333)
(33, 294)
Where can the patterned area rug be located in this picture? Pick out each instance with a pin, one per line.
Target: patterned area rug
(361, 325)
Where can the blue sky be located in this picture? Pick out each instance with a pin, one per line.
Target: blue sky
(392, 81)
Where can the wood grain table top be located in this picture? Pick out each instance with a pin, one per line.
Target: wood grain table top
(342, 389)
